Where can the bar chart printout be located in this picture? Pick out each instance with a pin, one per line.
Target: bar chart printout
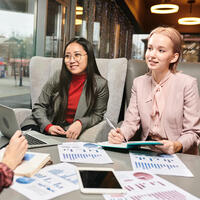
(145, 186)
(48, 183)
(83, 153)
(155, 163)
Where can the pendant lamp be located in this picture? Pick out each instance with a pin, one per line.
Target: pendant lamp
(164, 8)
(189, 20)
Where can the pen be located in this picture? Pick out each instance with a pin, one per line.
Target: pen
(110, 124)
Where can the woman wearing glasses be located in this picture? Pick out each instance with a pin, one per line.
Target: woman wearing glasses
(75, 98)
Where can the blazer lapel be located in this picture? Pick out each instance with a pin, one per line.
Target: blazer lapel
(82, 105)
(148, 97)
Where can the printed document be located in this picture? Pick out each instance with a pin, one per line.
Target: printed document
(48, 183)
(156, 163)
(145, 186)
(82, 152)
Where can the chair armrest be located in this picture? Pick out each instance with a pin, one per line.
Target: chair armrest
(21, 114)
(95, 133)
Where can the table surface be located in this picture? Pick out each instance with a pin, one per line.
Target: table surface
(121, 163)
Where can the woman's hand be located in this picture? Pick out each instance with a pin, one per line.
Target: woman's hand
(56, 130)
(168, 147)
(74, 130)
(15, 150)
(116, 137)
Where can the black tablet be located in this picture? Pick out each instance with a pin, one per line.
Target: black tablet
(98, 181)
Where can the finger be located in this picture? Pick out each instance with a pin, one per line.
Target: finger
(76, 135)
(114, 133)
(116, 139)
(15, 136)
(110, 140)
(118, 130)
(73, 136)
(68, 133)
(54, 132)
(153, 148)
(58, 131)
(22, 139)
(111, 134)
(62, 131)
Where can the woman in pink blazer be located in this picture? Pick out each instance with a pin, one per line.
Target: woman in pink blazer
(165, 102)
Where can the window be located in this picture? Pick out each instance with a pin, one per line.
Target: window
(16, 49)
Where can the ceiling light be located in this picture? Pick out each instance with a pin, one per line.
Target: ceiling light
(189, 21)
(79, 8)
(78, 21)
(79, 12)
(164, 8)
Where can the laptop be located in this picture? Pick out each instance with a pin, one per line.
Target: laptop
(9, 125)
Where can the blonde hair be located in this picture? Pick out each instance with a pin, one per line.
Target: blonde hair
(176, 39)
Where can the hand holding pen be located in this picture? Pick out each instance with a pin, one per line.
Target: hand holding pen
(115, 136)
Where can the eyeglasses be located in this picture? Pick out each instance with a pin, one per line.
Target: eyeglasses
(76, 57)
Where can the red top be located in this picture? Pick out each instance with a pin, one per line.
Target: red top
(75, 90)
(6, 176)
(74, 93)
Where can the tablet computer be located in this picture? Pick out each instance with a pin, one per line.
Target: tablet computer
(98, 181)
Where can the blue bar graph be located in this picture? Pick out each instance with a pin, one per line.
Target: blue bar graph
(84, 155)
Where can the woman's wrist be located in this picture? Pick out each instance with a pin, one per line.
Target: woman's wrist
(178, 147)
(8, 163)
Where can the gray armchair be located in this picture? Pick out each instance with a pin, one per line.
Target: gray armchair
(114, 70)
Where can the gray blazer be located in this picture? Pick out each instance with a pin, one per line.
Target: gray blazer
(43, 112)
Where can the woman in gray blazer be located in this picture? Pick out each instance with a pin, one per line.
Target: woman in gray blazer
(75, 98)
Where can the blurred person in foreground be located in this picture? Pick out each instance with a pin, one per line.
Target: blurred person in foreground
(12, 157)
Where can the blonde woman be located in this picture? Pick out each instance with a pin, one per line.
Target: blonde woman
(164, 102)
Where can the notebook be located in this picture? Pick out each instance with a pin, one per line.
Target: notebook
(9, 125)
(129, 145)
(31, 163)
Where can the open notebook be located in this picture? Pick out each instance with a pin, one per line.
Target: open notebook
(129, 145)
(31, 163)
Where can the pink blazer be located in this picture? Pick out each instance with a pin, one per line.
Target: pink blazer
(181, 115)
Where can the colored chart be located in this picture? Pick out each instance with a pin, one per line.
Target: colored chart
(159, 164)
(83, 155)
(145, 186)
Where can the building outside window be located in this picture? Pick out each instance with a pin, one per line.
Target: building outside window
(16, 50)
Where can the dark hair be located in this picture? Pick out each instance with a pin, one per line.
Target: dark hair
(66, 76)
